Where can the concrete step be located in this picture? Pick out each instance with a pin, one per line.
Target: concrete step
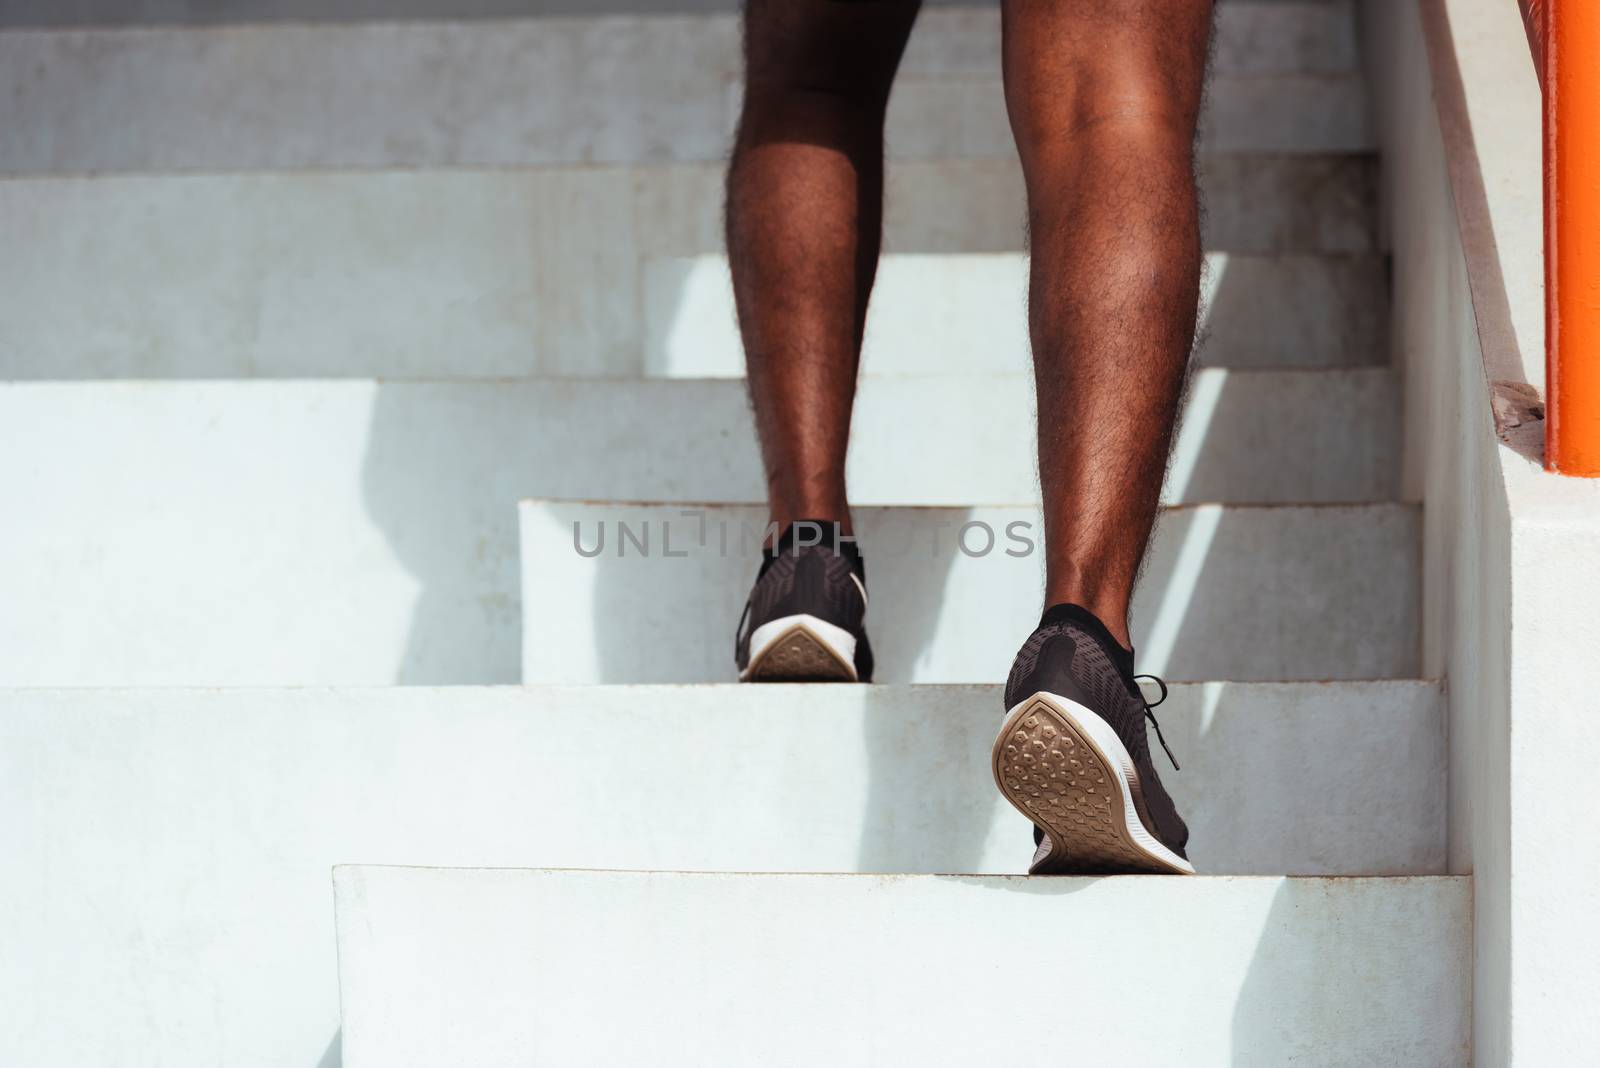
(593, 271)
(1253, 36)
(171, 848)
(1325, 592)
(1317, 39)
(525, 966)
(566, 90)
(362, 532)
(943, 313)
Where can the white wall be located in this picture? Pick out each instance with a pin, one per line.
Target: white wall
(1451, 465)
(1509, 582)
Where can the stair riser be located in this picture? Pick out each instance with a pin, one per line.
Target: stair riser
(1291, 35)
(625, 90)
(1255, 593)
(506, 967)
(480, 274)
(1251, 38)
(938, 313)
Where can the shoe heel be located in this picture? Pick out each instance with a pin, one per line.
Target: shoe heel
(1063, 767)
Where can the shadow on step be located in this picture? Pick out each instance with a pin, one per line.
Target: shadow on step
(333, 1056)
(907, 816)
(1376, 971)
(1259, 972)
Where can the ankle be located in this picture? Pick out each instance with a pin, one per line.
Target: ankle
(1109, 609)
(812, 533)
(831, 518)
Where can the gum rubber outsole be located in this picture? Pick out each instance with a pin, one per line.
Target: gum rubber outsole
(1049, 768)
(797, 655)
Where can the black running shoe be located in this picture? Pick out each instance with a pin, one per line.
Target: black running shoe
(1074, 758)
(803, 622)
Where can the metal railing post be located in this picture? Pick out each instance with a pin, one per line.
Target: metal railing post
(1569, 32)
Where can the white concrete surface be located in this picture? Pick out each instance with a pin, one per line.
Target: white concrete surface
(1254, 37)
(590, 271)
(261, 533)
(167, 852)
(1452, 462)
(1325, 592)
(558, 90)
(1554, 945)
(122, 12)
(518, 967)
(948, 313)
(1509, 581)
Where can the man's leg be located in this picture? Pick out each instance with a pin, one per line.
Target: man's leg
(1104, 96)
(805, 204)
(805, 191)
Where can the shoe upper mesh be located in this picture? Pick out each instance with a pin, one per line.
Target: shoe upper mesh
(813, 581)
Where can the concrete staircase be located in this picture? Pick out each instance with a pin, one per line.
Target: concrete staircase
(296, 314)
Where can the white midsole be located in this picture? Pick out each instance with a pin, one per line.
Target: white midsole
(836, 639)
(1101, 733)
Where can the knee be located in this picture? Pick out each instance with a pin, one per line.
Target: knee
(817, 104)
(850, 97)
(824, 54)
(856, 91)
(1106, 107)
(1105, 75)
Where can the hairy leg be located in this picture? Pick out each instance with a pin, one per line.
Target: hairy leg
(804, 213)
(1104, 97)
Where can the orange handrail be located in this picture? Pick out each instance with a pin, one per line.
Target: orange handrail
(1565, 35)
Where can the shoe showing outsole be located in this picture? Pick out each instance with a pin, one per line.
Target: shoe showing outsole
(1064, 768)
(799, 649)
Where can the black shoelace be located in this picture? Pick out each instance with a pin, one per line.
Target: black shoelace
(1149, 714)
(738, 632)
